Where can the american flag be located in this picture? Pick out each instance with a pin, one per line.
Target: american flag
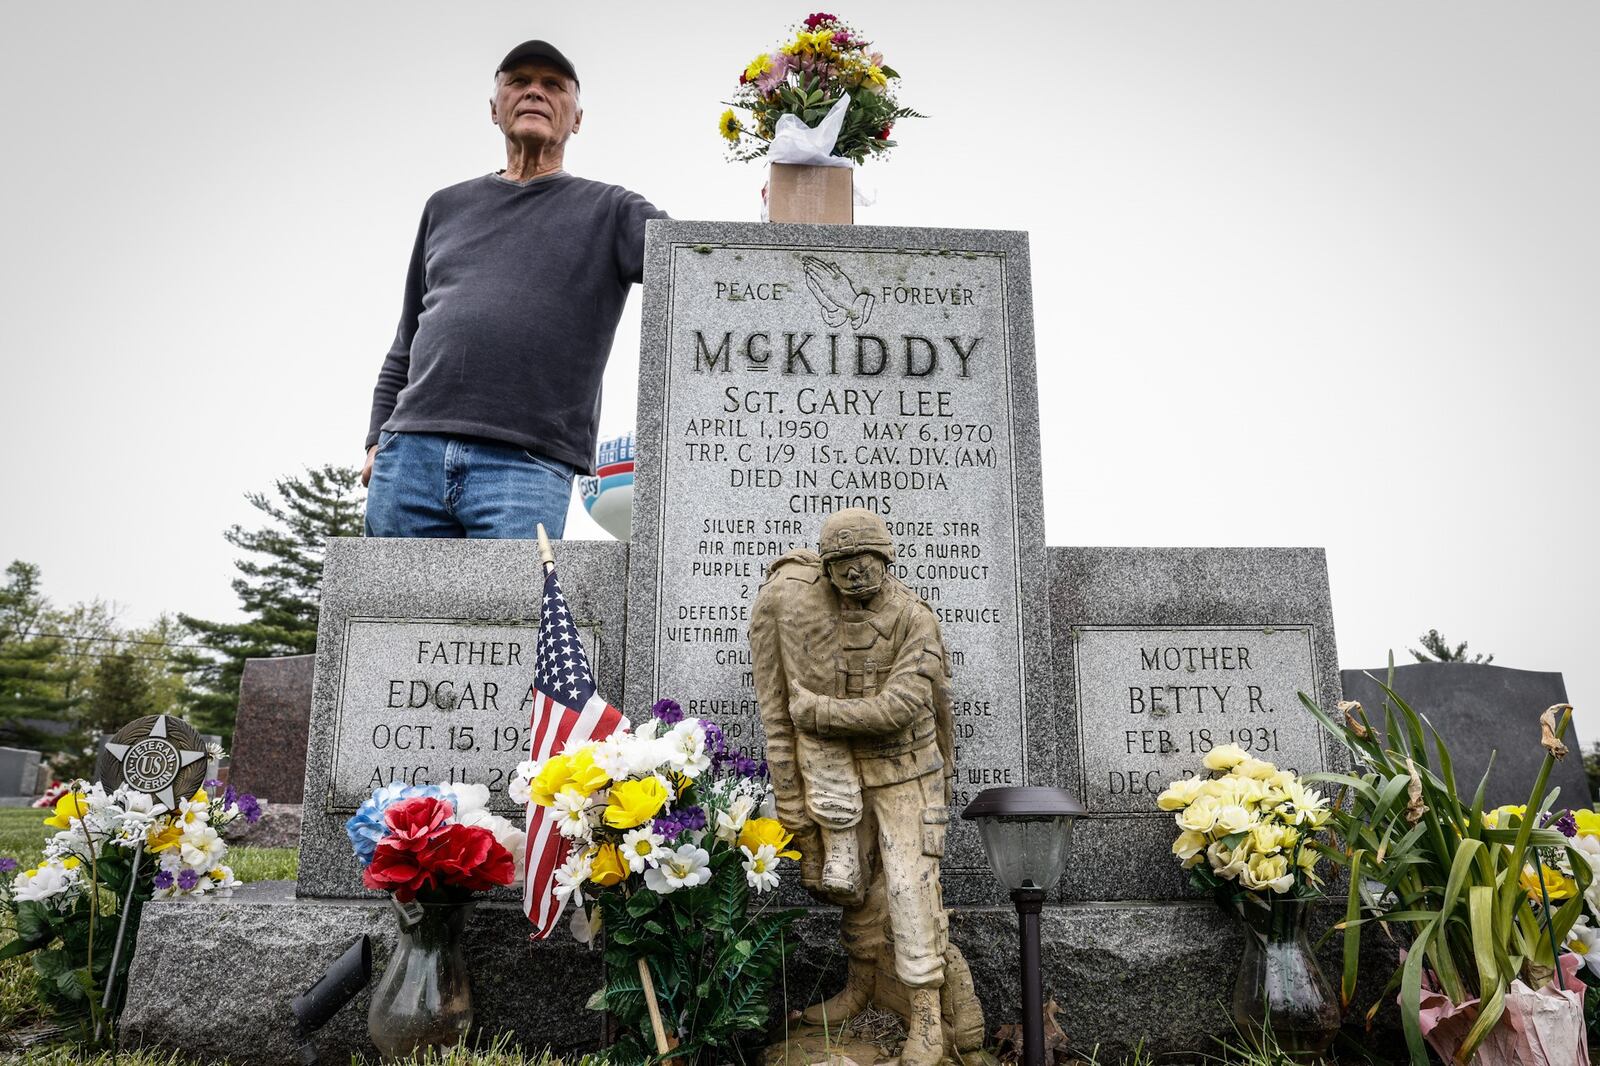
(566, 711)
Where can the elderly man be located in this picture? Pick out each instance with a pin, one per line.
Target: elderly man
(488, 402)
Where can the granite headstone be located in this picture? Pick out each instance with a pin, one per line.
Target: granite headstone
(19, 772)
(1479, 709)
(423, 672)
(269, 733)
(788, 372)
(1163, 654)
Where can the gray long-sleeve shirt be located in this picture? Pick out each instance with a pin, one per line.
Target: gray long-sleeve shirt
(511, 304)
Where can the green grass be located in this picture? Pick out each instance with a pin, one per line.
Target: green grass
(23, 833)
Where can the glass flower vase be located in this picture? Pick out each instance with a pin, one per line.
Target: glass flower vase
(1281, 996)
(425, 996)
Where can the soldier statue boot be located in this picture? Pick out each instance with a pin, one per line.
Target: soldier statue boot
(924, 1044)
(855, 997)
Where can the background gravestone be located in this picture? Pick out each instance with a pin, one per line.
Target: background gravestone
(788, 372)
(1479, 709)
(19, 776)
(424, 662)
(269, 733)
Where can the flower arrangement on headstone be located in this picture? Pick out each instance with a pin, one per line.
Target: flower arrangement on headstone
(1247, 834)
(671, 834)
(77, 911)
(1490, 897)
(432, 848)
(818, 104)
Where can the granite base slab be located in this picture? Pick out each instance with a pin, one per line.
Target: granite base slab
(1121, 973)
(253, 952)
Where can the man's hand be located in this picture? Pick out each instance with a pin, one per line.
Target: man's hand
(803, 707)
(366, 467)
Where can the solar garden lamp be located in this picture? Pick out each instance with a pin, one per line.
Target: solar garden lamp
(1026, 832)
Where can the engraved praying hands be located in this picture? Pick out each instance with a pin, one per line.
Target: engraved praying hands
(837, 294)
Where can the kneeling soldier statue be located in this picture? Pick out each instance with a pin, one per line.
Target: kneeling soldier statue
(854, 688)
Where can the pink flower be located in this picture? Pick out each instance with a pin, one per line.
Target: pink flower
(813, 21)
(770, 79)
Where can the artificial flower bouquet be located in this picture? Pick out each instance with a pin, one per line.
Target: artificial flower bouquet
(670, 835)
(1249, 829)
(824, 61)
(434, 843)
(66, 909)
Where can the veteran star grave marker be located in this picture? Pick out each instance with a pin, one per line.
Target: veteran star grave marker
(788, 372)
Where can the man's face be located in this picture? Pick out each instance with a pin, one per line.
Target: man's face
(535, 102)
(857, 576)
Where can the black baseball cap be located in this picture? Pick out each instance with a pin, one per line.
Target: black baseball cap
(528, 51)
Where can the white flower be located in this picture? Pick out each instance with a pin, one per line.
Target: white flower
(1584, 940)
(50, 878)
(1226, 862)
(201, 847)
(574, 814)
(571, 875)
(1233, 818)
(223, 880)
(685, 867)
(214, 750)
(194, 811)
(521, 778)
(466, 799)
(641, 847)
(761, 868)
(686, 746)
(730, 821)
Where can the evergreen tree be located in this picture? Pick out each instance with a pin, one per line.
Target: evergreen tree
(1436, 649)
(35, 683)
(277, 586)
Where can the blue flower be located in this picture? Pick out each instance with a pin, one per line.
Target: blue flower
(366, 828)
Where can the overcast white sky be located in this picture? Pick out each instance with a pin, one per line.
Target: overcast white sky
(1310, 273)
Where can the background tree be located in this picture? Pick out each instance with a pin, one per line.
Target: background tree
(1436, 649)
(36, 682)
(278, 586)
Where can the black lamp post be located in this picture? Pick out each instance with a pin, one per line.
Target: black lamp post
(1026, 833)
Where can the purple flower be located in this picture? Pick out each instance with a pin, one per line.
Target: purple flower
(1566, 823)
(670, 825)
(188, 879)
(668, 712)
(211, 785)
(250, 807)
(164, 879)
(745, 766)
(715, 741)
(7, 864)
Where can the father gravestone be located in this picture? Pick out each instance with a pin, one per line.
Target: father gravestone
(1479, 710)
(424, 669)
(788, 372)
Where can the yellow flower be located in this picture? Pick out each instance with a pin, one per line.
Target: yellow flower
(1200, 815)
(165, 839)
(1225, 758)
(575, 770)
(71, 862)
(1496, 818)
(759, 831)
(1256, 769)
(1588, 822)
(876, 77)
(729, 125)
(1269, 838)
(758, 66)
(1180, 794)
(1189, 844)
(635, 802)
(1556, 884)
(71, 805)
(607, 866)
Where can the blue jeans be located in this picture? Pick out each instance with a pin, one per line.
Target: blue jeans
(432, 485)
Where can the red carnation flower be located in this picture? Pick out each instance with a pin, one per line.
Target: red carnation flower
(469, 857)
(397, 871)
(883, 134)
(413, 823)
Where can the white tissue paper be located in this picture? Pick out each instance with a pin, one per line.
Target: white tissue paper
(795, 142)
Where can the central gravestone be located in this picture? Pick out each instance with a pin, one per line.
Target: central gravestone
(788, 372)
